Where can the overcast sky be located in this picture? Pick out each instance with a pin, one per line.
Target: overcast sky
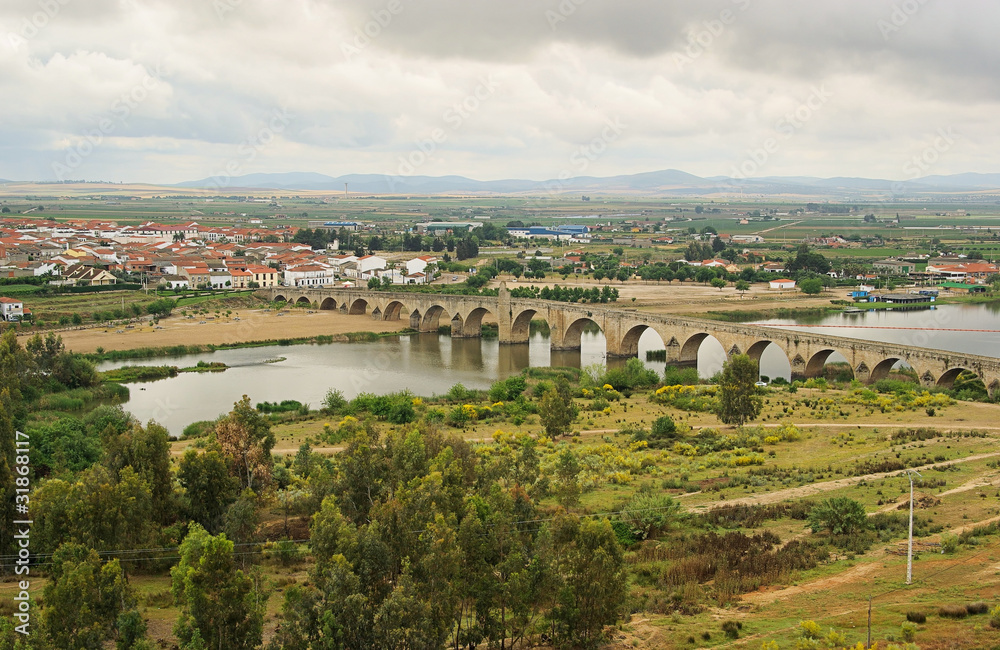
(170, 90)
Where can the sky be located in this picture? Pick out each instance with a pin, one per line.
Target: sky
(163, 91)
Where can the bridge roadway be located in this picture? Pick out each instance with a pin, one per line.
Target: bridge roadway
(682, 336)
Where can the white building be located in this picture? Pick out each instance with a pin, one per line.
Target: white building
(370, 263)
(11, 309)
(782, 284)
(419, 264)
(309, 275)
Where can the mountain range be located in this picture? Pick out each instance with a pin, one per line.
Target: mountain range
(670, 182)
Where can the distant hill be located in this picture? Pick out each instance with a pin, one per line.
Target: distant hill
(669, 182)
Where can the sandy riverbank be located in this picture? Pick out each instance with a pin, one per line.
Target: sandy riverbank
(253, 325)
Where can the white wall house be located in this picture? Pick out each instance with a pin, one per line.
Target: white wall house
(370, 263)
(309, 275)
(11, 309)
(782, 284)
(419, 264)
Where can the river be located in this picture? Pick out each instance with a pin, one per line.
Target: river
(429, 364)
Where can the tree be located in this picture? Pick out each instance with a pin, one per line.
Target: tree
(739, 401)
(557, 409)
(742, 286)
(718, 283)
(593, 586)
(208, 487)
(246, 440)
(161, 308)
(374, 284)
(811, 286)
(839, 516)
(220, 605)
(85, 600)
(147, 451)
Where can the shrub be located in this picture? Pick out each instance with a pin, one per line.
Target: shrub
(953, 611)
(732, 629)
(810, 629)
(650, 515)
(949, 542)
(995, 617)
(663, 429)
(839, 516)
(908, 631)
(977, 608)
(334, 401)
(916, 617)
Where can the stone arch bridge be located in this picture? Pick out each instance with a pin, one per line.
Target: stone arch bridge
(807, 353)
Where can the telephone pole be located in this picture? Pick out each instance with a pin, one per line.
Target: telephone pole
(909, 546)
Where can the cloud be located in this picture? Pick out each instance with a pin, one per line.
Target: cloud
(366, 81)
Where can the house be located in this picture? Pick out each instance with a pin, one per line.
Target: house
(220, 279)
(369, 263)
(82, 275)
(197, 275)
(782, 283)
(11, 309)
(309, 275)
(895, 267)
(419, 264)
(175, 282)
(773, 267)
(746, 239)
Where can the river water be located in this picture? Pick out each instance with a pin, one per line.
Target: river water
(429, 364)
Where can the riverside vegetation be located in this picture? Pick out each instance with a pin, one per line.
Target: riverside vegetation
(560, 508)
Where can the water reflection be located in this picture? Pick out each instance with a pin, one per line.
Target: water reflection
(429, 364)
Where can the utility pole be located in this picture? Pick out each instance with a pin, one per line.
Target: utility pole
(869, 644)
(909, 546)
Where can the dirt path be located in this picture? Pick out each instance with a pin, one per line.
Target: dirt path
(827, 486)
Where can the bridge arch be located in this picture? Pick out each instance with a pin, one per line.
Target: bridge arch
(771, 358)
(948, 377)
(520, 327)
(328, 304)
(707, 347)
(279, 298)
(814, 365)
(431, 319)
(630, 341)
(393, 310)
(474, 322)
(572, 338)
(359, 307)
(303, 300)
(882, 369)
